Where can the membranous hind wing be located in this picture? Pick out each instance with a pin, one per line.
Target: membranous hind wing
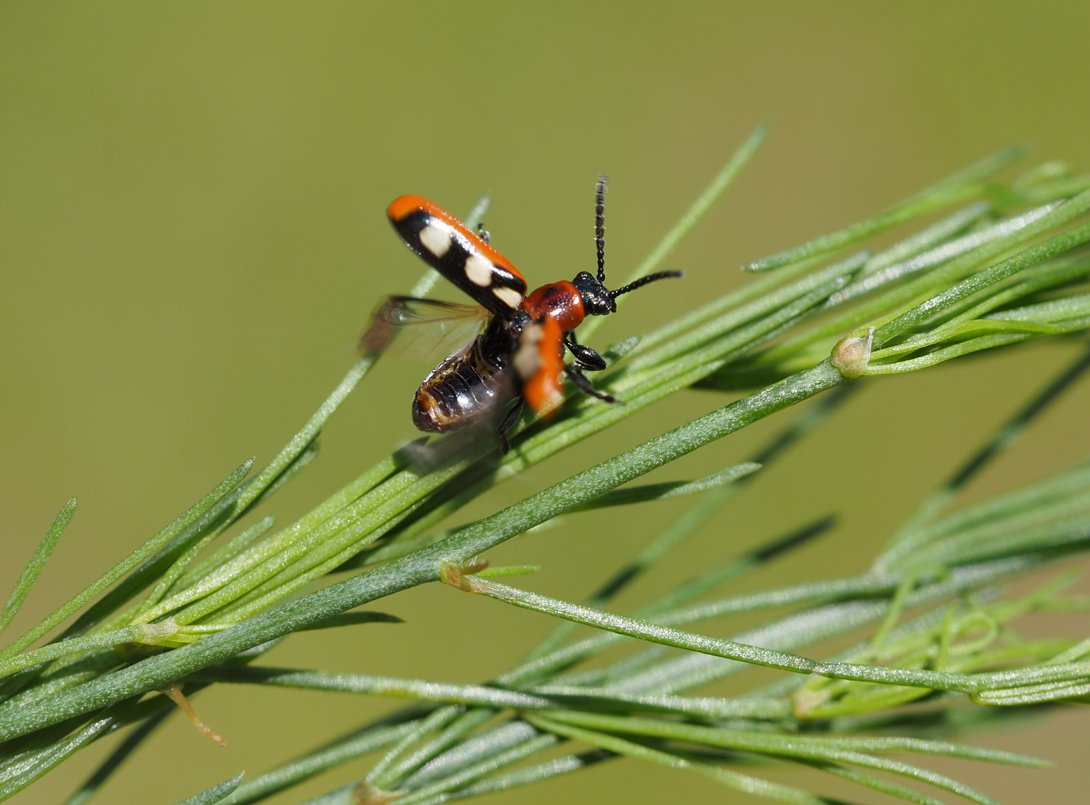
(422, 327)
(461, 256)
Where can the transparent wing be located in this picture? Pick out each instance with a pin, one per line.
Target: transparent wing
(421, 327)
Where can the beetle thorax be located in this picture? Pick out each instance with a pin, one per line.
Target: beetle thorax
(561, 301)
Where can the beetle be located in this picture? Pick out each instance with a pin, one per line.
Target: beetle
(518, 356)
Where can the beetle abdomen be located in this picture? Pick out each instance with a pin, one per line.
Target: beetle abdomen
(472, 385)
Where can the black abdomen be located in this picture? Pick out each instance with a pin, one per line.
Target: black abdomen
(472, 385)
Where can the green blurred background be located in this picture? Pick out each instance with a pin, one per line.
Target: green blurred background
(192, 236)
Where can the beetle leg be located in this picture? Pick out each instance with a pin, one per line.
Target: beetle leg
(573, 371)
(587, 359)
(508, 422)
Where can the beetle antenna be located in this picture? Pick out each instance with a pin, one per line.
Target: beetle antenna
(659, 275)
(600, 225)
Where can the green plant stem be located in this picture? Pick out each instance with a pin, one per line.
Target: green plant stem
(817, 749)
(37, 562)
(95, 782)
(675, 759)
(495, 698)
(907, 537)
(631, 627)
(956, 188)
(347, 748)
(146, 551)
(1057, 245)
(933, 296)
(423, 566)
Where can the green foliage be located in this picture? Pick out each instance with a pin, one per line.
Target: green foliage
(1005, 267)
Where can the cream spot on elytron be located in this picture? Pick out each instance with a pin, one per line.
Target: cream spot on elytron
(509, 296)
(479, 270)
(436, 239)
(527, 358)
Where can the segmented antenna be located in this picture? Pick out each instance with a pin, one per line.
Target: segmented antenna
(658, 275)
(600, 225)
(600, 241)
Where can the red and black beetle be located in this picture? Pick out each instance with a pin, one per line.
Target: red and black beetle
(518, 357)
